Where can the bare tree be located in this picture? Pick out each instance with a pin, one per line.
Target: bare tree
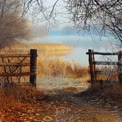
(101, 14)
(12, 26)
(40, 10)
(104, 14)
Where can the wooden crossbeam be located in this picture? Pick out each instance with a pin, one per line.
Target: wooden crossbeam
(94, 72)
(105, 63)
(10, 71)
(103, 53)
(14, 55)
(107, 72)
(15, 64)
(15, 74)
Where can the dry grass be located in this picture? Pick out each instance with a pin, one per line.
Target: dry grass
(106, 89)
(48, 49)
(116, 89)
(47, 63)
(17, 101)
(14, 99)
(108, 76)
(15, 95)
(19, 94)
(58, 67)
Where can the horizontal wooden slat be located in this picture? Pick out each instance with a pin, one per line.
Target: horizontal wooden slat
(107, 82)
(106, 72)
(105, 63)
(15, 74)
(14, 64)
(103, 53)
(14, 55)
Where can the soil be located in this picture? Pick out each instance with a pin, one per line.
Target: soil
(57, 108)
(67, 104)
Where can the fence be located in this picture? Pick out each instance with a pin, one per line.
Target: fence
(12, 65)
(94, 72)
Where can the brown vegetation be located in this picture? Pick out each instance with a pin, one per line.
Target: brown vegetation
(112, 76)
(47, 63)
(44, 49)
(26, 104)
(58, 67)
(17, 101)
(14, 98)
(13, 27)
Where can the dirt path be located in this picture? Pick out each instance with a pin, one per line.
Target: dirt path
(82, 110)
(95, 106)
(52, 85)
(108, 102)
(62, 105)
(58, 108)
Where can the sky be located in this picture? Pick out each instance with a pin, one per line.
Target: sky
(62, 31)
(60, 17)
(81, 41)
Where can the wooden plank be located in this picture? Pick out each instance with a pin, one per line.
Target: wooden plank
(105, 82)
(120, 67)
(92, 67)
(107, 72)
(105, 63)
(103, 53)
(15, 74)
(14, 64)
(14, 55)
(33, 67)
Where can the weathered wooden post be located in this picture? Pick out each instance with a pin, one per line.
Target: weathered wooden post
(33, 66)
(120, 67)
(92, 66)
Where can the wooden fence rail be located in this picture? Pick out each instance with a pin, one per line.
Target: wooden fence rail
(92, 65)
(11, 68)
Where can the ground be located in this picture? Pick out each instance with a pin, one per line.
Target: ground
(65, 105)
(57, 108)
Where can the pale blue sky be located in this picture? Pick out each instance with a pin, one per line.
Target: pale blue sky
(62, 31)
(60, 18)
(81, 41)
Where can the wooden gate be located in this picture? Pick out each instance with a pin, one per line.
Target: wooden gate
(94, 71)
(19, 65)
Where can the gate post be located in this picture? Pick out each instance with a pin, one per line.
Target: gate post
(120, 67)
(92, 66)
(33, 66)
